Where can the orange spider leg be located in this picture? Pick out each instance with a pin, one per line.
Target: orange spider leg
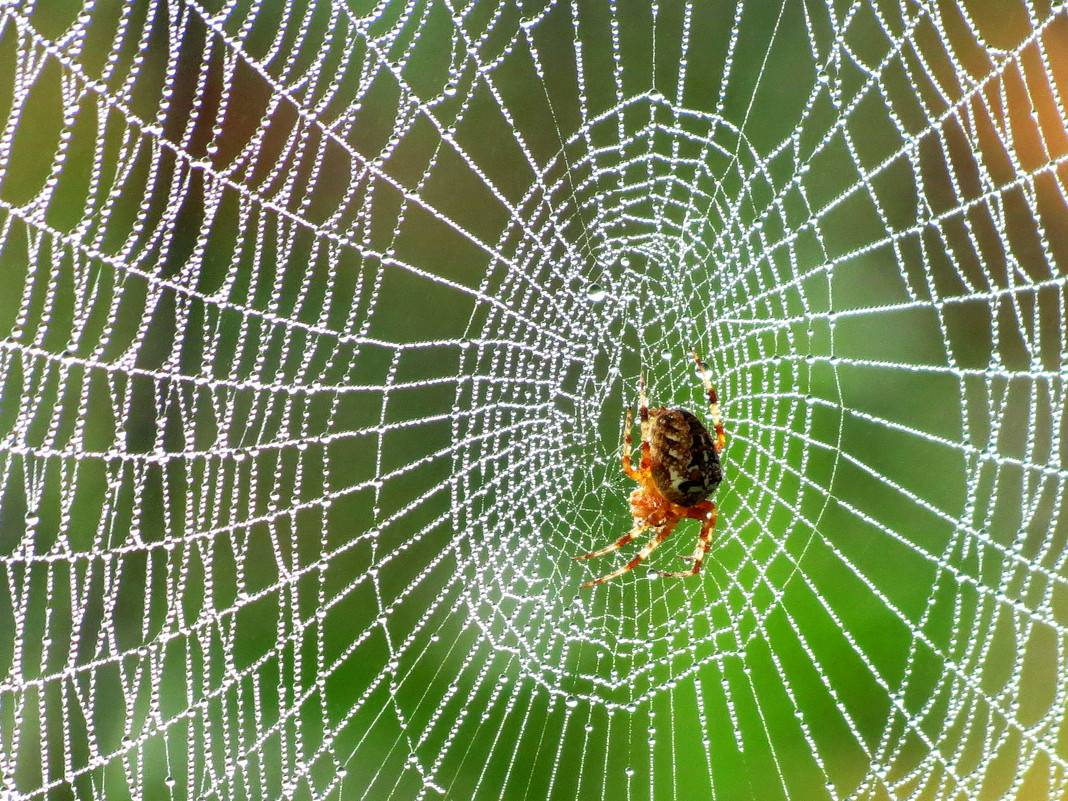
(707, 513)
(615, 546)
(628, 447)
(713, 404)
(643, 415)
(643, 554)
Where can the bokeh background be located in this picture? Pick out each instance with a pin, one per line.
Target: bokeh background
(319, 322)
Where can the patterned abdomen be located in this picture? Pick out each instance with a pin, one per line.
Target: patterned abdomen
(685, 467)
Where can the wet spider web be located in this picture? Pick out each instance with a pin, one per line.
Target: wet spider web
(319, 323)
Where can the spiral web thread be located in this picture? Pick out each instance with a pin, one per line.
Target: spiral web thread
(319, 323)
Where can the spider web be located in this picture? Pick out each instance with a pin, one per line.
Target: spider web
(320, 320)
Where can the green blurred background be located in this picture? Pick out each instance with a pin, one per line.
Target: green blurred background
(320, 320)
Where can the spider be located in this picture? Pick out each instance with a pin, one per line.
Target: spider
(679, 469)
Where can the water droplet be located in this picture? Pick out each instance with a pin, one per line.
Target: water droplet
(596, 294)
(450, 89)
(571, 702)
(665, 355)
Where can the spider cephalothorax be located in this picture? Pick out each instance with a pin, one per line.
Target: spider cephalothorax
(679, 469)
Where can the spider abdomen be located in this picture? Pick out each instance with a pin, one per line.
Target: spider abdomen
(685, 465)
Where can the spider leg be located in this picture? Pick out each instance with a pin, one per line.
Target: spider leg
(713, 404)
(643, 416)
(643, 554)
(615, 546)
(708, 513)
(628, 446)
